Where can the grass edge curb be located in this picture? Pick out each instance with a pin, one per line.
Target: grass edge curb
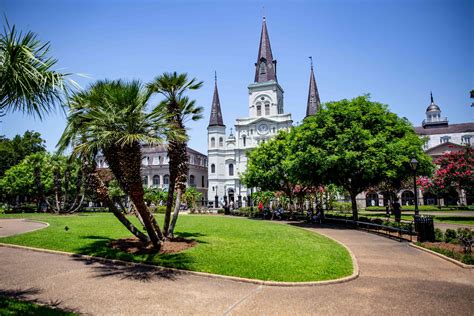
(355, 264)
(354, 275)
(459, 264)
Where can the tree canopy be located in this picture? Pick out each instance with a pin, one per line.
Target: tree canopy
(353, 144)
(14, 150)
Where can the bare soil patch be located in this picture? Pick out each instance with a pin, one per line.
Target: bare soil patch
(135, 246)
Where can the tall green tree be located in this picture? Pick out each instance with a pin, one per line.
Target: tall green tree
(111, 117)
(13, 151)
(28, 82)
(355, 144)
(178, 108)
(49, 179)
(266, 167)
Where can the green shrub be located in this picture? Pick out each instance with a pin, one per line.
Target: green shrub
(450, 235)
(161, 209)
(439, 235)
(342, 206)
(465, 233)
(220, 211)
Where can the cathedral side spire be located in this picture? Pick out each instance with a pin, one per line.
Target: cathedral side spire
(314, 103)
(216, 113)
(265, 67)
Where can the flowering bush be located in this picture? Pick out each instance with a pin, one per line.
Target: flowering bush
(454, 169)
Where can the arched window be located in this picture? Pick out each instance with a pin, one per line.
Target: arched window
(213, 168)
(166, 179)
(192, 180)
(371, 199)
(156, 180)
(221, 142)
(267, 109)
(262, 67)
(259, 110)
(145, 161)
(145, 180)
(244, 140)
(408, 198)
(213, 142)
(231, 170)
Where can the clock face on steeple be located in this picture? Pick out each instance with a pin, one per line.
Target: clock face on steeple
(262, 128)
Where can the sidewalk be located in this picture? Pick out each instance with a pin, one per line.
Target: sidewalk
(394, 279)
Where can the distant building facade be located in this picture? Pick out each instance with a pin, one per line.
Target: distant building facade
(155, 168)
(266, 116)
(441, 137)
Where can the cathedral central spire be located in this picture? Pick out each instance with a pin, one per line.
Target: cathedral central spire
(265, 67)
(314, 103)
(216, 113)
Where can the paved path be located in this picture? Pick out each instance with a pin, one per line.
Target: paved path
(10, 227)
(394, 279)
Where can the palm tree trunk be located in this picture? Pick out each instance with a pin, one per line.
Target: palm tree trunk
(125, 163)
(176, 212)
(96, 183)
(169, 201)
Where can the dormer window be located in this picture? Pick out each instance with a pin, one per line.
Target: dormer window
(444, 139)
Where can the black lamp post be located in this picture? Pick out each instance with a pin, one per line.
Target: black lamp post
(414, 165)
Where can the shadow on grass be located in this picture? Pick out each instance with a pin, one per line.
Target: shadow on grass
(20, 302)
(100, 248)
(195, 236)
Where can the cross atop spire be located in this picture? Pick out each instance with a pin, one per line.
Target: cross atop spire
(314, 103)
(431, 92)
(216, 113)
(265, 67)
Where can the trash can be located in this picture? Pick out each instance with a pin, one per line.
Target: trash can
(424, 228)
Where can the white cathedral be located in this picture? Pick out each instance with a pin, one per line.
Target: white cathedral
(227, 154)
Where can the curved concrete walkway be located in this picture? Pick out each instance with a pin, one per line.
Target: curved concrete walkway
(394, 279)
(14, 226)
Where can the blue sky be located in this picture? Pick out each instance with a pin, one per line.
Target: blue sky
(398, 51)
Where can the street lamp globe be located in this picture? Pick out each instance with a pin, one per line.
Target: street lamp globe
(413, 164)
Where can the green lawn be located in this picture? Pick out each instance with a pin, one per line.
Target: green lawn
(11, 306)
(226, 245)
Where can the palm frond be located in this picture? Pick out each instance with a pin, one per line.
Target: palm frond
(28, 82)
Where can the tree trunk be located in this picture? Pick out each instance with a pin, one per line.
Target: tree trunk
(57, 189)
(125, 164)
(176, 212)
(96, 183)
(169, 200)
(355, 215)
(39, 184)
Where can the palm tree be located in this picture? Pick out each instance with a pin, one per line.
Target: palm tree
(110, 117)
(27, 81)
(178, 108)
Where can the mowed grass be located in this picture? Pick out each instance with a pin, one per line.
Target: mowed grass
(11, 306)
(229, 246)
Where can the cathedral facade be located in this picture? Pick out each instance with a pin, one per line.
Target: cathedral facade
(266, 116)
